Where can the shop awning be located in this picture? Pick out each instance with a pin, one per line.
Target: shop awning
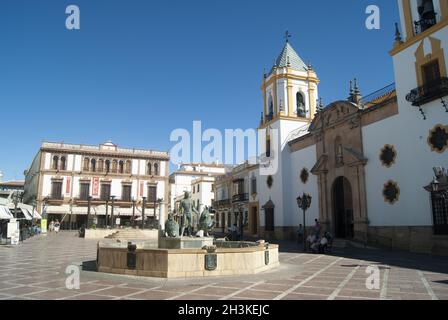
(22, 211)
(5, 214)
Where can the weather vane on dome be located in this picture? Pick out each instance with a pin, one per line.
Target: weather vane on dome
(287, 36)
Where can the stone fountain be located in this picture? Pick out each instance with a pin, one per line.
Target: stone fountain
(178, 256)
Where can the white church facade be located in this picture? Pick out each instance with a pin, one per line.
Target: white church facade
(374, 166)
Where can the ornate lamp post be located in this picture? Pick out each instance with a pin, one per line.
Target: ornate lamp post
(133, 211)
(435, 185)
(89, 202)
(143, 212)
(241, 218)
(106, 223)
(304, 202)
(16, 202)
(112, 222)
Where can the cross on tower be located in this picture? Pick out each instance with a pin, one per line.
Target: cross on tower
(287, 36)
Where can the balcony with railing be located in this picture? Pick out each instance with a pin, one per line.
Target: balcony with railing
(242, 197)
(222, 203)
(431, 91)
(425, 23)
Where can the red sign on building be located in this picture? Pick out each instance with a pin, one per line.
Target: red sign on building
(141, 189)
(96, 186)
(68, 183)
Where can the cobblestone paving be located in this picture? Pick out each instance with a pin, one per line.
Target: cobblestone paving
(36, 269)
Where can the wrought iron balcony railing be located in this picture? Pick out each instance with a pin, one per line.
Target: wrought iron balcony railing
(426, 23)
(429, 92)
(269, 117)
(220, 203)
(240, 197)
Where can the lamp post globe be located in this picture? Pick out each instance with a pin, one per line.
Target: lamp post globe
(304, 203)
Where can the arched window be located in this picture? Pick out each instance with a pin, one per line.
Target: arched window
(268, 145)
(93, 165)
(100, 165)
(55, 164)
(156, 169)
(128, 167)
(427, 15)
(338, 150)
(121, 167)
(86, 164)
(300, 105)
(270, 108)
(63, 163)
(107, 166)
(149, 169)
(114, 166)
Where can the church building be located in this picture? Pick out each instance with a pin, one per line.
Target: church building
(375, 166)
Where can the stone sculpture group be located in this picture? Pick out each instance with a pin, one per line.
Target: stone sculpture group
(174, 229)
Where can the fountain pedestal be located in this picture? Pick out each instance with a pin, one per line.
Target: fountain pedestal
(184, 243)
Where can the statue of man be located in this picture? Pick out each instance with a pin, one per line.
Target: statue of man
(186, 210)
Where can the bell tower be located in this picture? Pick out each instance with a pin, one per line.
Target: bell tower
(289, 89)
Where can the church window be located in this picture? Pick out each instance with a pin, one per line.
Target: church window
(268, 146)
(427, 16)
(438, 138)
(388, 155)
(149, 169)
(304, 175)
(270, 115)
(431, 72)
(300, 107)
(121, 167)
(270, 181)
(156, 169)
(391, 192)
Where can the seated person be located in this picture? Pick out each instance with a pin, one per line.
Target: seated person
(323, 245)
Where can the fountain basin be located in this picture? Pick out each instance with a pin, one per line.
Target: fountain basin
(184, 263)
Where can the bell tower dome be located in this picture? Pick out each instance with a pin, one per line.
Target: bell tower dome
(290, 89)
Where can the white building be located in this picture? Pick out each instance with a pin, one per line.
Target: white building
(63, 176)
(367, 162)
(202, 192)
(182, 180)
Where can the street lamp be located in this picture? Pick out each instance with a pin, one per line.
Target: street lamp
(435, 185)
(304, 202)
(133, 211)
(89, 200)
(112, 223)
(16, 202)
(241, 210)
(143, 212)
(106, 223)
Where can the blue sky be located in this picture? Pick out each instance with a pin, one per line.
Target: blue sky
(139, 69)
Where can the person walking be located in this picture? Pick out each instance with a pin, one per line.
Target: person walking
(317, 228)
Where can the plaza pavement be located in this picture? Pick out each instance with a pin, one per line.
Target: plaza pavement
(36, 270)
